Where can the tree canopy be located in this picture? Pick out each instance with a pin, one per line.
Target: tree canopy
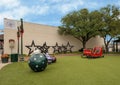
(111, 18)
(82, 25)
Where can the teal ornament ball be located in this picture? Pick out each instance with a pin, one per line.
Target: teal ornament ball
(37, 62)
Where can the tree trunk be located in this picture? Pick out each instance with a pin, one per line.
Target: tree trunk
(107, 44)
(106, 47)
(84, 44)
(82, 40)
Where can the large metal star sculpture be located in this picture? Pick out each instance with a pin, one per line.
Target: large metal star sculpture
(32, 47)
(63, 49)
(56, 48)
(69, 47)
(44, 48)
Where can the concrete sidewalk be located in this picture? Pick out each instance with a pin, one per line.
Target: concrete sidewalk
(3, 64)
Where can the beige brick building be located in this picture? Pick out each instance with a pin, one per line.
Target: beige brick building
(40, 34)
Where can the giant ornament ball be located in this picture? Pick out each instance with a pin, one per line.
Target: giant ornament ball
(37, 62)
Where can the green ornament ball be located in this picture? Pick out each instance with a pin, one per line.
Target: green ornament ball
(37, 62)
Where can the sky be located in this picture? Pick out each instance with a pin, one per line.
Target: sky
(47, 12)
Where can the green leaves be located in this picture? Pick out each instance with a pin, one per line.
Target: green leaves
(110, 18)
(110, 15)
(84, 25)
(81, 24)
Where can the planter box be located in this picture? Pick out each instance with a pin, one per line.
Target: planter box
(4, 59)
(14, 57)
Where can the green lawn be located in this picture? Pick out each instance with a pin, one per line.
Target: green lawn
(69, 70)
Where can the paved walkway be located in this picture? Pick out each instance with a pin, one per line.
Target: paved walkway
(2, 65)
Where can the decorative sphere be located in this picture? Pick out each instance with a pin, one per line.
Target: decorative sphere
(37, 62)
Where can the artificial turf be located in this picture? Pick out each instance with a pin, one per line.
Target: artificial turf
(68, 70)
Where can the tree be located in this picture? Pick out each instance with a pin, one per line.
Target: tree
(82, 24)
(111, 28)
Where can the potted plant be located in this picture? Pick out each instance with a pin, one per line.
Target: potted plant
(5, 58)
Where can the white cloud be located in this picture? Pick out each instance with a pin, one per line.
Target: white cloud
(66, 6)
(70, 6)
(42, 0)
(92, 5)
(10, 9)
(20, 11)
(15, 13)
(9, 3)
(56, 1)
(118, 3)
(14, 9)
(39, 9)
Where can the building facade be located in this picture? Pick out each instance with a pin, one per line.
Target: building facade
(41, 34)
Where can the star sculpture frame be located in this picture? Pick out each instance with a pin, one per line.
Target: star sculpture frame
(69, 47)
(44, 48)
(57, 48)
(32, 47)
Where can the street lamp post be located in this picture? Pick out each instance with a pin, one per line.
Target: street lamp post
(18, 36)
(21, 32)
